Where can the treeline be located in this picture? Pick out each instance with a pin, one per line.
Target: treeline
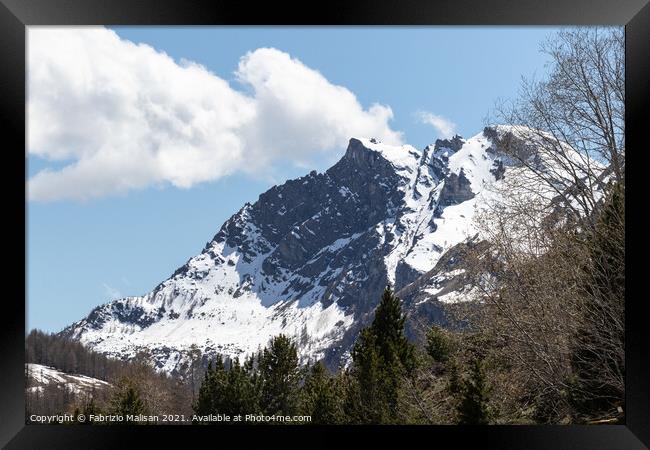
(58, 398)
(272, 382)
(389, 381)
(70, 356)
(134, 381)
(384, 384)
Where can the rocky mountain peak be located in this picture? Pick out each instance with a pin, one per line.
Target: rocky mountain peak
(454, 144)
(373, 155)
(310, 257)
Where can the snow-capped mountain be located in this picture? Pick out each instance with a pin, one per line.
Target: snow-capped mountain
(311, 257)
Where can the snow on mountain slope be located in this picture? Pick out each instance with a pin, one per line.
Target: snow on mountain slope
(40, 376)
(311, 257)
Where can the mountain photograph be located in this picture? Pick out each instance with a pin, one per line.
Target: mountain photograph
(354, 226)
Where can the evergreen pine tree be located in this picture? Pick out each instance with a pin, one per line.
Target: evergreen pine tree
(203, 404)
(439, 345)
(381, 357)
(388, 329)
(320, 398)
(280, 375)
(366, 399)
(212, 391)
(239, 394)
(473, 408)
(251, 369)
(453, 383)
(127, 401)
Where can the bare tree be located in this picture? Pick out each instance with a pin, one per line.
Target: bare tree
(551, 280)
(574, 118)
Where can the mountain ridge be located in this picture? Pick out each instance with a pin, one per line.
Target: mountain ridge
(311, 256)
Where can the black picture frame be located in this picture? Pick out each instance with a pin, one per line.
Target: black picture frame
(15, 15)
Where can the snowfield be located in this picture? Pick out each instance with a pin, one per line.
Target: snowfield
(40, 376)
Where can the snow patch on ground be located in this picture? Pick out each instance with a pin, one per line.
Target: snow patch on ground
(40, 376)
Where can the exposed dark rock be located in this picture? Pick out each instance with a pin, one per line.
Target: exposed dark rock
(404, 275)
(457, 189)
(454, 144)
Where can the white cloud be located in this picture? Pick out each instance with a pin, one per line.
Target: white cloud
(111, 292)
(122, 116)
(444, 127)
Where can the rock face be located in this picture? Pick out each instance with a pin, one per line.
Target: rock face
(455, 190)
(311, 257)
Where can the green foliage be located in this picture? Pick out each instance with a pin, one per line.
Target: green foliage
(273, 383)
(90, 408)
(454, 383)
(128, 401)
(607, 251)
(439, 345)
(388, 329)
(211, 390)
(241, 394)
(472, 408)
(368, 394)
(267, 383)
(232, 392)
(280, 374)
(381, 357)
(321, 397)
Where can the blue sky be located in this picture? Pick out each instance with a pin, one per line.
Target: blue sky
(123, 241)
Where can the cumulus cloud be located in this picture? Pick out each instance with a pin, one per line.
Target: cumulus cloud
(443, 126)
(112, 115)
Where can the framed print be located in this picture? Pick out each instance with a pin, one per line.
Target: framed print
(278, 225)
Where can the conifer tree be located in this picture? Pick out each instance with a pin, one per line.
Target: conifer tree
(251, 369)
(127, 401)
(212, 390)
(438, 346)
(388, 329)
(381, 357)
(280, 375)
(90, 408)
(320, 398)
(453, 382)
(366, 397)
(239, 394)
(472, 408)
(203, 404)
